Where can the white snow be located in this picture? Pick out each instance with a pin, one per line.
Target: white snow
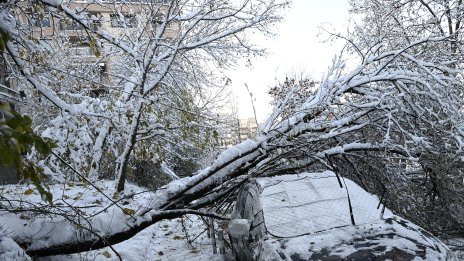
(9, 250)
(316, 202)
(342, 240)
(165, 240)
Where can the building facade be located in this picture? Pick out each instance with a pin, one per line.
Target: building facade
(49, 26)
(238, 130)
(110, 18)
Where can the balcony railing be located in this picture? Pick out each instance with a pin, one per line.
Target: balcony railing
(75, 27)
(9, 95)
(82, 51)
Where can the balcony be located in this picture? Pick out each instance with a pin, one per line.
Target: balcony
(82, 51)
(9, 95)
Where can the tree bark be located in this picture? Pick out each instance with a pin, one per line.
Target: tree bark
(97, 243)
(125, 156)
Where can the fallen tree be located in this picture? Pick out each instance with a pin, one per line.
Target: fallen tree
(400, 100)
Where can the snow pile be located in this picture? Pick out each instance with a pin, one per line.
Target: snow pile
(100, 208)
(9, 250)
(164, 241)
(177, 239)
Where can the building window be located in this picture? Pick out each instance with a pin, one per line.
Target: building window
(95, 20)
(157, 20)
(114, 20)
(124, 20)
(41, 20)
(3, 73)
(70, 25)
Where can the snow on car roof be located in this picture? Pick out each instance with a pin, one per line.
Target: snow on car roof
(390, 239)
(306, 203)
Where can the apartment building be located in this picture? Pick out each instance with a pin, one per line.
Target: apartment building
(8, 95)
(238, 130)
(111, 16)
(248, 128)
(114, 17)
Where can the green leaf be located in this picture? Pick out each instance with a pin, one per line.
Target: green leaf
(17, 138)
(106, 254)
(129, 211)
(195, 251)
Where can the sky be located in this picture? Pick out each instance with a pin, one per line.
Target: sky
(299, 48)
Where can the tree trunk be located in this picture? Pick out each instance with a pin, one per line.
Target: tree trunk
(101, 242)
(105, 130)
(123, 159)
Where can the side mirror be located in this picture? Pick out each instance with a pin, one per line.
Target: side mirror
(239, 228)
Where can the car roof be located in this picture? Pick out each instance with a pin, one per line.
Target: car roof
(306, 203)
(391, 239)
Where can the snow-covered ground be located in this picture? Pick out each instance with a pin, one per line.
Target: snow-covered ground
(165, 240)
(178, 239)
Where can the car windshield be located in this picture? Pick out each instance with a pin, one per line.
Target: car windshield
(301, 204)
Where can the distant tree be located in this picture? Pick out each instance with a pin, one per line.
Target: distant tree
(301, 87)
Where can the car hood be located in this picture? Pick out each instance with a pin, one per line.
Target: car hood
(391, 239)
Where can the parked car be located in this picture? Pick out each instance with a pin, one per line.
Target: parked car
(317, 216)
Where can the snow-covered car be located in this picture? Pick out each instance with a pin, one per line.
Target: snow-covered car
(317, 216)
